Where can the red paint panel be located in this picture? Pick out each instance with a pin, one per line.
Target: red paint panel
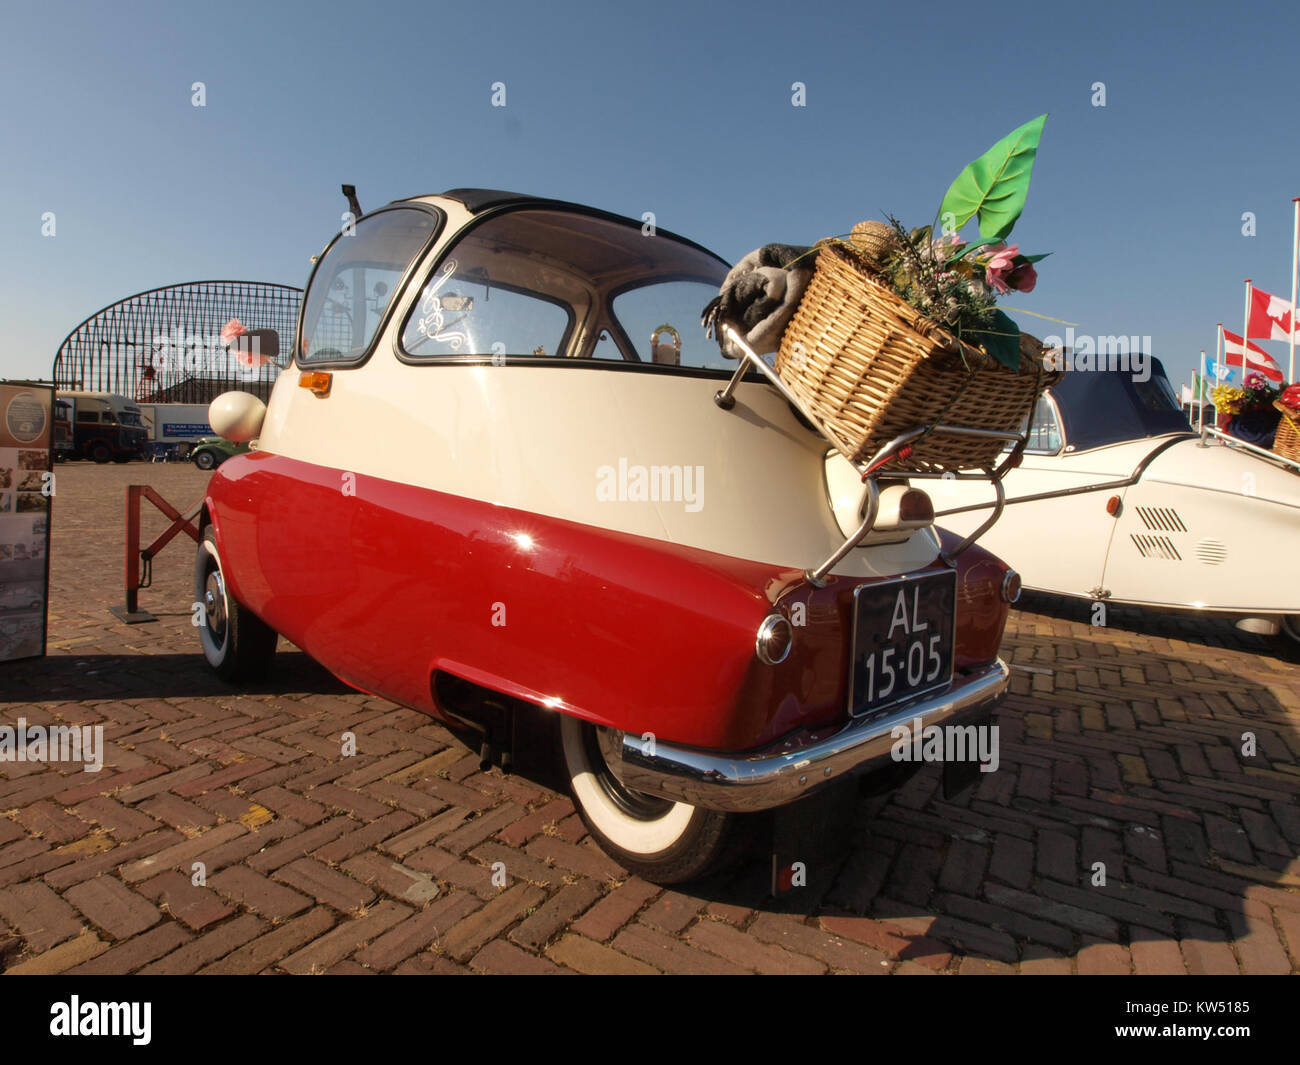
(383, 583)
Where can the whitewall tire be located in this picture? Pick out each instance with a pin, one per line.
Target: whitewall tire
(658, 839)
(237, 644)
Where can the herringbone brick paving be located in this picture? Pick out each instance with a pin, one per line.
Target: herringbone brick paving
(1120, 745)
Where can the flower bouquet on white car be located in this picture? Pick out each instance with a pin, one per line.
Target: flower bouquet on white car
(886, 329)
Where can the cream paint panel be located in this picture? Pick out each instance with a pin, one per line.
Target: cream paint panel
(1259, 571)
(534, 439)
(1055, 545)
(1224, 469)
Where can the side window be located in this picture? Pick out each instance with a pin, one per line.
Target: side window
(356, 280)
(663, 323)
(606, 347)
(459, 314)
(87, 416)
(1044, 430)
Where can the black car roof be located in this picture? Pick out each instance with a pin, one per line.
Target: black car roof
(479, 200)
(1107, 406)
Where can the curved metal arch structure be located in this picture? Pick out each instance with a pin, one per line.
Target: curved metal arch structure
(164, 345)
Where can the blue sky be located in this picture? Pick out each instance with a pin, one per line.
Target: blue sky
(681, 109)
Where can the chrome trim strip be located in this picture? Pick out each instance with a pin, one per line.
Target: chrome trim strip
(805, 763)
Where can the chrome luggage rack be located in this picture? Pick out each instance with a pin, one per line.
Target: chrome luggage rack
(1210, 433)
(896, 450)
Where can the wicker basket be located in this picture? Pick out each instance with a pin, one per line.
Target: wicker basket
(1287, 441)
(870, 367)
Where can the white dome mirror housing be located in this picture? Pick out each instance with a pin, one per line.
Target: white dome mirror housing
(236, 416)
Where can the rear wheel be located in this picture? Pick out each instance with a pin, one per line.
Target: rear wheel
(237, 644)
(205, 460)
(664, 841)
(100, 453)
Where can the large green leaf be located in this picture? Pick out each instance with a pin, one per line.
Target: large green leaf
(994, 186)
(1001, 339)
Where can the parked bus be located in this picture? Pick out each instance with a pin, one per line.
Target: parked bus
(106, 426)
(63, 446)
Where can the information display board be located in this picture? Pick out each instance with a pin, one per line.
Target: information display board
(26, 489)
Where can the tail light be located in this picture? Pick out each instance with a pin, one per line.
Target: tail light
(915, 508)
(774, 640)
(983, 584)
(1011, 587)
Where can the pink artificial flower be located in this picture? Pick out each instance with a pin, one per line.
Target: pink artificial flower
(999, 265)
(1256, 380)
(233, 328)
(1023, 278)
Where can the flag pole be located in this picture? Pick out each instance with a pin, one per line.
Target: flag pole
(1200, 395)
(1218, 359)
(1295, 265)
(1245, 334)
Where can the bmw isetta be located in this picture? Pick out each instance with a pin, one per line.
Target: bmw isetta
(493, 472)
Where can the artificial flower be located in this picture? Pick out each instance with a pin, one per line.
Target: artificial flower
(1023, 278)
(999, 265)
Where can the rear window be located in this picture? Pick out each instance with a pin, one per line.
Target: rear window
(546, 282)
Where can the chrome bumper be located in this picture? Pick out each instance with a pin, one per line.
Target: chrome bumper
(802, 764)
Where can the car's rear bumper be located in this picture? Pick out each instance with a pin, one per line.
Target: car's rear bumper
(802, 763)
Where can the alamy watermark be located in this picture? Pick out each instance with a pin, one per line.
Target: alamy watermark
(77, 1018)
(53, 743)
(631, 483)
(917, 742)
(1083, 353)
(193, 353)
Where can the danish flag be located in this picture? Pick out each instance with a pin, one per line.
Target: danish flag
(1271, 317)
(1249, 357)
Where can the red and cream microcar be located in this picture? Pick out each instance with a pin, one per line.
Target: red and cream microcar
(494, 472)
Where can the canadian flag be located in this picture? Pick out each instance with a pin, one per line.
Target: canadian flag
(1271, 316)
(1249, 357)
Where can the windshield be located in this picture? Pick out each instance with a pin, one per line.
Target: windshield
(356, 280)
(546, 282)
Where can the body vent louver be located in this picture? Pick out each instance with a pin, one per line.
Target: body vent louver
(1212, 552)
(1161, 519)
(1156, 547)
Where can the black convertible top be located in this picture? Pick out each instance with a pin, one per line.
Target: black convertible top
(481, 199)
(1100, 407)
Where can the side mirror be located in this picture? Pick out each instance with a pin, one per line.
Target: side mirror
(256, 348)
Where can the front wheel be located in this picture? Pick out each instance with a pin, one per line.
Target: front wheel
(236, 642)
(661, 840)
(205, 460)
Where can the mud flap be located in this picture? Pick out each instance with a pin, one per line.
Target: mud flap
(809, 837)
(958, 776)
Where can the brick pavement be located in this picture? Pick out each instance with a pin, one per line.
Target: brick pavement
(1121, 746)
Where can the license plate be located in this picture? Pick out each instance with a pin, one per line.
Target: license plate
(902, 639)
